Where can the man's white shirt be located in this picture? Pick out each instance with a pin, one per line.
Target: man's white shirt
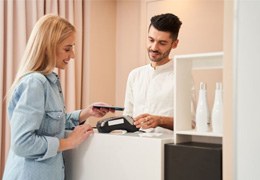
(150, 90)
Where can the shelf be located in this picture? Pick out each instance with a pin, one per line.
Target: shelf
(195, 133)
(184, 66)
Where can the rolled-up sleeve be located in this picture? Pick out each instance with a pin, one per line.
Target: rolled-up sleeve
(26, 120)
(53, 145)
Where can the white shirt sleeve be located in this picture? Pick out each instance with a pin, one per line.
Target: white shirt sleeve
(129, 97)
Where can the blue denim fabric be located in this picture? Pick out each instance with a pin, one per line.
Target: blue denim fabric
(37, 120)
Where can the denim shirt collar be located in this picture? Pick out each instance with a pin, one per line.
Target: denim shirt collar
(52, 77)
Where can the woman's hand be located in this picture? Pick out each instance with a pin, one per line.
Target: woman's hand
(99, 112)
(95, 112)
(76, 137)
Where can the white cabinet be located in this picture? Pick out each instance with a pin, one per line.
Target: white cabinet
(130, 156)
(183, 80)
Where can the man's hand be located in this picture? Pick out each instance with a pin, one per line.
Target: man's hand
(146, 121)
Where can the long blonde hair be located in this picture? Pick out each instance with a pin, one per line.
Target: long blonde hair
(40, 52)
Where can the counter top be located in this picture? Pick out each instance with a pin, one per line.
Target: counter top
(156, 135)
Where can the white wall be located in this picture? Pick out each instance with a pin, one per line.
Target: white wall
(247, 89)
(127, 43)
(101, 55)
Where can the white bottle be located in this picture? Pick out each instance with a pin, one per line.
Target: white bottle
(217, 110)
(202, 111)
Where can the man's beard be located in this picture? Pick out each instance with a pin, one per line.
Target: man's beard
(161, 57)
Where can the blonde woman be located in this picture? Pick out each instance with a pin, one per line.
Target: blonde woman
(36, 107)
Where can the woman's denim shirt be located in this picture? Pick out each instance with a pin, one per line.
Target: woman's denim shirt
(37, 120)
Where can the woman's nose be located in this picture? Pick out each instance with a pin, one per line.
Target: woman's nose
(72, 54)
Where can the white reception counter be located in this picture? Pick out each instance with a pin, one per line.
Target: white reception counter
(130, 156)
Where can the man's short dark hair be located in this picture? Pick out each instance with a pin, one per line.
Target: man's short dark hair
(168, 23)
